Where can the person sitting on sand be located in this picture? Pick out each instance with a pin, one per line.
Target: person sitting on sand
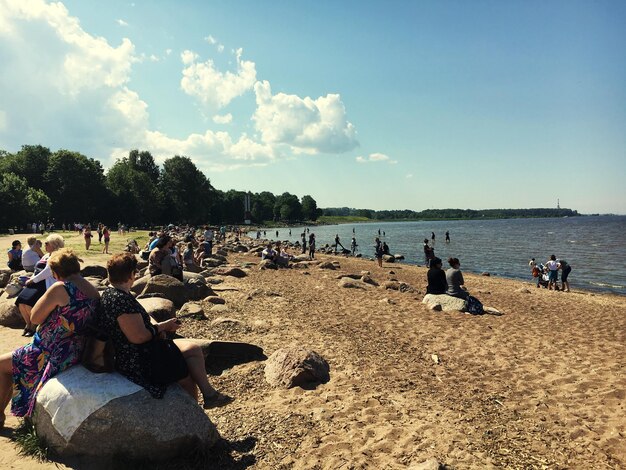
(62, 314)
(437, 283)
(134, 336)
(269, 253)
(454, 278)
(15, 256)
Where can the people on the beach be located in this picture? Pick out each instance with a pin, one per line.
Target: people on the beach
(454, 278)
(565, 270)
(378, 252)
(553, 272)
(37, 285)
(88, 236)
(432, 237)
(385, 248)
(32, 254)
(106, 235)
(447, 236)
(429, 253)
(62, 314)
(311, 245)
(269, 253)
(136, 338)
(338, 244)
(15, 256)
(353, 246)
(436, 276)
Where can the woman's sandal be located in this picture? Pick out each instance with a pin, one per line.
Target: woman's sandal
(216, 400)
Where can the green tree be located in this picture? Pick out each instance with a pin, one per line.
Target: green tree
(30, 163)
(309, 208)
(76, 187)
(143, 161)
(263, 206)
(21, 204)
(287, 208)
(187, 193)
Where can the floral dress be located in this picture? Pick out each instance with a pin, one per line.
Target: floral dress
(56, 346)
(131, 360)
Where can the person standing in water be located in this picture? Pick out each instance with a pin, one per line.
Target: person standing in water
(447, 237)
(432, 237)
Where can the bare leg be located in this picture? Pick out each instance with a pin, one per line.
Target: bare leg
(195, 362)
(25, 311)
(6, 384)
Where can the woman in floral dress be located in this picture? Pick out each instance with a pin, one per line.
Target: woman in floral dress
(62, 315)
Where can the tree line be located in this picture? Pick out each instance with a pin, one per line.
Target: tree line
(66, 186)
(449, 214)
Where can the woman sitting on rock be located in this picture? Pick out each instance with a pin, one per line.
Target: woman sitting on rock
(32, 254)
(454, 278)
(134, 335)
(437, 283)
(62, 315)
(15, 256)
(37, 285)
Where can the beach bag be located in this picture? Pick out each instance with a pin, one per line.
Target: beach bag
(166, 363)
(13, 288)
(474, 306)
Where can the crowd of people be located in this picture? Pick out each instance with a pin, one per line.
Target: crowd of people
(547, 274)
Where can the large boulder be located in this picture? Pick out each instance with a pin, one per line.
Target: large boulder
(9, 313)
(140, 284)
(267, 264)
(212, 263)
(300, 258)
(447, 302)
(197, 289)
(158, 308)
(327, 265)
(5, 277)
(297, 366)
(348, 283)
(230, 271)
(389, 259)
(134, 425)
(94, 270)
(167, 287)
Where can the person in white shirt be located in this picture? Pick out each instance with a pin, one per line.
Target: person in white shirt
(32, 254)
(553, 272)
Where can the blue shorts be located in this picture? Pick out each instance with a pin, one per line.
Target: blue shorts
(553, 276)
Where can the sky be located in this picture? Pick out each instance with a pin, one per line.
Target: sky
(368, 104)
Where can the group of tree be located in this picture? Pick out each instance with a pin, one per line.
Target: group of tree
(449, 214)
(65, 186)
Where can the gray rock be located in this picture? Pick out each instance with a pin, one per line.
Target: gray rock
(485, 274)
(136, 426)
(221, 252)
(220, 308)
(212, 263)
(214, 299)
(351, 276)
(348, 283)
(5, 277)
(170, 288)
(391, 285)
(217, 257)
(9, 313)
(234, 272)
(158, 308)
(140, 284)
(94, 270)
(389, 259)
(214, 280)
(327, 265)
(297, 366)
(447, 302)
(240, 249)
(192, 309)
(224, 320)
(368, 280)
(398, 257)
(300, 258)
(197, 289)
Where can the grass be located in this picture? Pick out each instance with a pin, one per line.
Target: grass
(342, 219)
(76, 242)
(29, 443)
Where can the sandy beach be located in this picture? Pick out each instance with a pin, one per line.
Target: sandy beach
(541, 386)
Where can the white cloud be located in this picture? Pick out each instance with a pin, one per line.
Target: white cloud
(121, 22)
(409, 176)
(223, 119)
(212, 87)
(168, 51)
(214, 42)
(304, 124)
(376, 157)
(3, 120)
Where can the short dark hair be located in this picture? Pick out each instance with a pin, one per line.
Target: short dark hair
(164, 240)
(453, 261)
(121, 267)
(15, 243)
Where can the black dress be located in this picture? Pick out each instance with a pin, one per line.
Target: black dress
(437, 283)
(131, 360)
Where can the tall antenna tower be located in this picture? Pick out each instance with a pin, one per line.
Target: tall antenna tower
(558, 204)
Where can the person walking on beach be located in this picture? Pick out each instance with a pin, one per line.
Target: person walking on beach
(87, 234)
(565, 270)
(106, 234)
(353, 246)
(338, 243)
(447, 237)
(378, 252)
(312, 246)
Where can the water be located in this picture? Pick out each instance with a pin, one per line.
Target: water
(594, 246)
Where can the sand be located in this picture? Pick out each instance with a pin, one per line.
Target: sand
(541, 386)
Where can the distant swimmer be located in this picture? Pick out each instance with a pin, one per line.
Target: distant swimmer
(447, 237)
(432, 236)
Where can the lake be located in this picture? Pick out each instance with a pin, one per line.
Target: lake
(595, 246)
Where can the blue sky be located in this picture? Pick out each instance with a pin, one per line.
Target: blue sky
(369, 104)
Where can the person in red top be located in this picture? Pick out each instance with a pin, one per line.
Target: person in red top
(106, 234)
